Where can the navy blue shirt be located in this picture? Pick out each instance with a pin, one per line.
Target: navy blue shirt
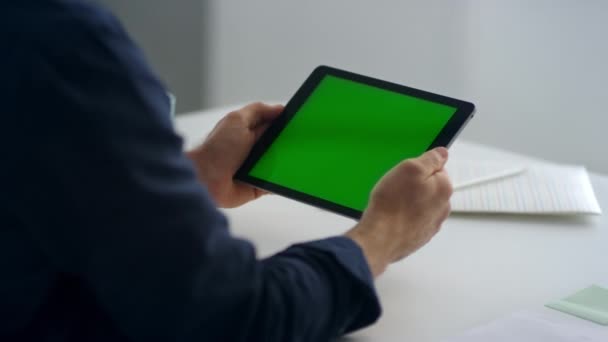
(105, 232)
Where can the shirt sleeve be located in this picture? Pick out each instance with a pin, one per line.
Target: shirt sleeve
(108, 195)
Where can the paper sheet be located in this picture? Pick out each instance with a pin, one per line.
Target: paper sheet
(536, 326)
(539, 189)
(590, 303)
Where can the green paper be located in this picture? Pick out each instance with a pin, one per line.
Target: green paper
(590, 304)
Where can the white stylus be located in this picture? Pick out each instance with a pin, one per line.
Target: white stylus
(493, 177)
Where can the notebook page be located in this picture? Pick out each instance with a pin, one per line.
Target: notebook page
(540, 189)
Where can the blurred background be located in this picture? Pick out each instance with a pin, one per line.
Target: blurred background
(537, 70)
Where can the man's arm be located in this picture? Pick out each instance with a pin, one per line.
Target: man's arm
(107, 194)
(406, 207)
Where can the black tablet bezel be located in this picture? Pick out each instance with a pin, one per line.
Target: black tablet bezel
(464, 112)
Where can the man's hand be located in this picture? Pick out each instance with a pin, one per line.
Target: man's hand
(406, 209)
(218, 158)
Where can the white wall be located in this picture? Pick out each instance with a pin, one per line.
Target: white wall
(265, 49)
(172, 35)
(540, 78)
(536, 69)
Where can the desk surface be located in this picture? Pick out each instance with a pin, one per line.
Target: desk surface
(478, 268)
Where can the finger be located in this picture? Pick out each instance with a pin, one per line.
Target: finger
(260, 129)
(444, 184)
(260, 192)
(246, 188)
(433, 160)
(444, 214)
(258, 113)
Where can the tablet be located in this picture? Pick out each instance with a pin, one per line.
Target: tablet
(341, 132)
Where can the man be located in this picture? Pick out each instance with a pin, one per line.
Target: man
(109, 232)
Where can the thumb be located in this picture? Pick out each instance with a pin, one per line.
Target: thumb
(258, 113)
(434, 160)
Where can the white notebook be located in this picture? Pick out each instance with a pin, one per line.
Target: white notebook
(498, 187)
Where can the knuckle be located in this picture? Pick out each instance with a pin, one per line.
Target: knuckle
(234, 117)
(444, 187)
(257, 105)
(412, 167)
(446, 213)
(448, 189)
(431, 158)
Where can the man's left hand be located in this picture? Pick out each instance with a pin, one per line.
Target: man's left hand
(218, 158)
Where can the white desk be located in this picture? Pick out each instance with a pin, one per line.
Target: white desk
(476, 269)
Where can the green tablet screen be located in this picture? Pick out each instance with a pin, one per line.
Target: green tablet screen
(345, 136)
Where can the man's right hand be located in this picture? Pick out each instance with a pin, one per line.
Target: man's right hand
(406, 209)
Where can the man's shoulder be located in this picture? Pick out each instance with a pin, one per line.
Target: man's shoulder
(54, 24)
